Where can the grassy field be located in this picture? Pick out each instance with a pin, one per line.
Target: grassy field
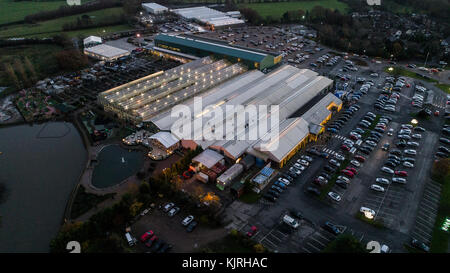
(400, 71)
(16, 11)
(276, 10)
(51, 27)
(444, 87)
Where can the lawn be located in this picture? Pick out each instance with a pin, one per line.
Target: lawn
(276, 10)
(52, 27)
(444, 87)
(16, 11)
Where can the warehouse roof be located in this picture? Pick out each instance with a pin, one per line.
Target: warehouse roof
(212, 46)
(291, 132)
(208, 158)
(320, 111)
(154, 6)
(165, 138)
(106, 51)
(92, 39)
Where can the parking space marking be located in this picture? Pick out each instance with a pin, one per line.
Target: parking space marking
(313, 247)
(306, 250)
(428, 205)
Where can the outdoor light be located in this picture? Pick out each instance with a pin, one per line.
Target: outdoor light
(414, 122)
(391, 69)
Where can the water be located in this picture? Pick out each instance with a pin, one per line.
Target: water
(115, 165)
(40, 165)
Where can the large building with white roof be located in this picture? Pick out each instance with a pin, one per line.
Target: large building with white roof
(208, 16)
(154, 8)
(105, 52)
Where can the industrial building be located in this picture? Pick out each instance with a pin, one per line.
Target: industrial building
(191, 45)
(210, 17)
(105, 52)
(154, 8)
(288, 87)
(141, 99)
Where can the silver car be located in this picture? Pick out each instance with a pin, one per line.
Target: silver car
(387, 170)
(410, 152)
(382, 180)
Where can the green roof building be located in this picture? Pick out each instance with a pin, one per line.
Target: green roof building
(202, 47)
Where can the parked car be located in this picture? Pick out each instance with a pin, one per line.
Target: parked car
(168, 207)
(410, 152)
(420, 245)
(336, 197)
(355, 163)
(146, 235)
(334, 229)
(191, 226)
(313, 190)
(399, 180)
(150, 241)
(186, 221)
(252, 231)
(376, 187)
(173, 211)
(382, 180)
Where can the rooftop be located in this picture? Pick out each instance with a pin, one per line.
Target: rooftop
(106, 50)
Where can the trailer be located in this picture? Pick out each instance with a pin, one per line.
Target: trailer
(227, 177)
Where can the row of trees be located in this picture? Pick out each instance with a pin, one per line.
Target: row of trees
(21, 73)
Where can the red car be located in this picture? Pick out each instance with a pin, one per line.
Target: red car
(345, 147)
(353, 137)
(436, 113)
(348, 173)
(360, 158)
(252, 231)
(401, 173)
(353, 170)
(151, 241)
(146, 235)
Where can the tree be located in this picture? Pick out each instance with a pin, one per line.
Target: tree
(135, 208)
(441, 169)
(71, 59)
(12, 77)
(259, 248)
(18, 67)
(29, 66)
(345, 244)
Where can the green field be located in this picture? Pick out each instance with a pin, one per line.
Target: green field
(52, 27)
(276, 10)
(11, 11)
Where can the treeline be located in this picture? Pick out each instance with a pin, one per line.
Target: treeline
(435, 8)
(85, 21)
(21, 73)
(71, 10)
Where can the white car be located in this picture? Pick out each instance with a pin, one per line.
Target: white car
(336, 197)
(408, 164)
(416, 136)
(294, 170)
(307, 158)
(371, 143)
(300, 167)
(284, 181)
(387, 170)
(399, 180)
(409, 126)
(376, 187)
(410, 152)
(355, 163)
(187, 220)
(339, 157)
(303, 162)
(413, 143)
(369, 213)
(382, 180)
(173, 211)
(343, 178)
(390, 132)
(168, 206)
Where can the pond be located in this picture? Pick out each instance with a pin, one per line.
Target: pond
(116, 164)
(39, 166)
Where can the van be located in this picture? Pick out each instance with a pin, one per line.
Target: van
(290, 221)
(130, 239)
